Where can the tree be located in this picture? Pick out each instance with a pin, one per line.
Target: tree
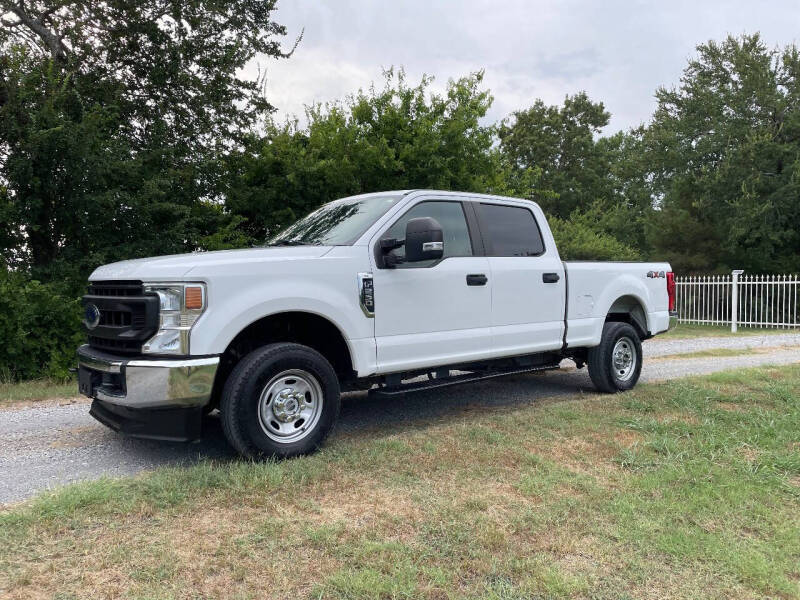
(629, 208)
(583, 181)
(561, 143)
(723, 155)
(173, 65)
(395, 137)
(114, 117)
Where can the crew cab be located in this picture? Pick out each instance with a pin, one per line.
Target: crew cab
(389, 292)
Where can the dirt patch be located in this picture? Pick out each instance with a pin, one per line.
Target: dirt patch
(748, 453)
(677, 417)
(251, 541)
(625, 438)
(592, 455)
(77, 437)
(731, 406)
(20, 404)
(227, 551)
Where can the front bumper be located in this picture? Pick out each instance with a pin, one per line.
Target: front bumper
(146, 383)
(149, 398)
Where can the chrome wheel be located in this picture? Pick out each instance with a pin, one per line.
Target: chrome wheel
(290, 406)
(623, 359)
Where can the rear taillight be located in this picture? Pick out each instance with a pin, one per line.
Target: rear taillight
(671, 290)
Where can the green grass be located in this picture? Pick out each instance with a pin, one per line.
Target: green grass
(40, 389)
(693, 330)
(714, 352)
(687, 489)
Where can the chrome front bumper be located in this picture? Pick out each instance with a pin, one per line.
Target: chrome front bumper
(146, 383)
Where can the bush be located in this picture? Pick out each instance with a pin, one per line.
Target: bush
(39, 326)
(578, 240)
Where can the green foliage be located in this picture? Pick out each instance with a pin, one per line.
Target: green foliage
(173, 68)
(76, 194)
(579, 238)
(723, 153)
(627, 216)
(39, 326)
(395, 137)
(115, 118)
(113, 121)
(560, 141)
(579, 178)
(709, 185)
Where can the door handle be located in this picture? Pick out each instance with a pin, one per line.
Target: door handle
(477, 279)
(550, 277)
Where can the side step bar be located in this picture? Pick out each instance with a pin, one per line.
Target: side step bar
(432, 384)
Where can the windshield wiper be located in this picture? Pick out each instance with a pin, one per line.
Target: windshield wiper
(289, 243)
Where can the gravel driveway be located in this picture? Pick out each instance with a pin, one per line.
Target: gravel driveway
(48, 445)
(659, 346)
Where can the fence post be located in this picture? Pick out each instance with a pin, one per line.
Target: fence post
(735, 298)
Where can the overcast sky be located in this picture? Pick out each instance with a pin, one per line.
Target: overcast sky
(619, 52)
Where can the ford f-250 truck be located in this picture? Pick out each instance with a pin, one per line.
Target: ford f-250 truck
(392, 292)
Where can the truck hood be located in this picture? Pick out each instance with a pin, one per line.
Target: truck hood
(180, 266)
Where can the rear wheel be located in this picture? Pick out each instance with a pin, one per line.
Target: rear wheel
(615, 365)
(281, 400)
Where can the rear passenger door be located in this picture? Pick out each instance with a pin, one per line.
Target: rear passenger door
(528, 282)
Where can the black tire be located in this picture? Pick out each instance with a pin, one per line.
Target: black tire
(605, 376)
(243, 412)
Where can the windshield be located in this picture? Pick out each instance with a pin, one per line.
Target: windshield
(338, 223)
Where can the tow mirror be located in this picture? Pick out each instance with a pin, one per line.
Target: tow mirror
(424, 240)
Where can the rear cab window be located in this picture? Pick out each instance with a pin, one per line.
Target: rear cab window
(509, 230)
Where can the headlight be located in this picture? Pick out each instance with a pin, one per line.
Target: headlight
(180, 305)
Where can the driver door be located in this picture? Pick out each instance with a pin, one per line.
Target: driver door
(433, 312)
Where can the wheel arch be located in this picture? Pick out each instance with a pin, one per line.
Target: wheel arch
(298, 326)
(630, 309)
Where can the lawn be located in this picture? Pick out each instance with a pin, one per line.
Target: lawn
(40, 389)
(685, 489)
(693, 330)
(713, 352)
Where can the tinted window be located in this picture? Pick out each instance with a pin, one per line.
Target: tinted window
(510, 231)
(450, 216)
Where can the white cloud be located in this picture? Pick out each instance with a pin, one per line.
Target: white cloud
(618, 51)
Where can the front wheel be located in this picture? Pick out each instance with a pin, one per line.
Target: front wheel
(281, 400)
(615, 365)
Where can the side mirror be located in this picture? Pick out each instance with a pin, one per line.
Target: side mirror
(424, 240)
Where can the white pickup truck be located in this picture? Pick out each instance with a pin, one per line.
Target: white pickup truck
(391, 292)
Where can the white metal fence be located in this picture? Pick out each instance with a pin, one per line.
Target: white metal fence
(739, 300)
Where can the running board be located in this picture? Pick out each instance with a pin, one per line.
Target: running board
(432, 384)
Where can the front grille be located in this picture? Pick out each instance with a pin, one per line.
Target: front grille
(118, 345)
(128, 316)
(116, 288)
(116, 318)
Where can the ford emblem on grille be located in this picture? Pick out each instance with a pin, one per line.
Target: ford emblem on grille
(91, 316)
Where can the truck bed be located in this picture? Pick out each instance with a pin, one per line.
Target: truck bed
(595, 289)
